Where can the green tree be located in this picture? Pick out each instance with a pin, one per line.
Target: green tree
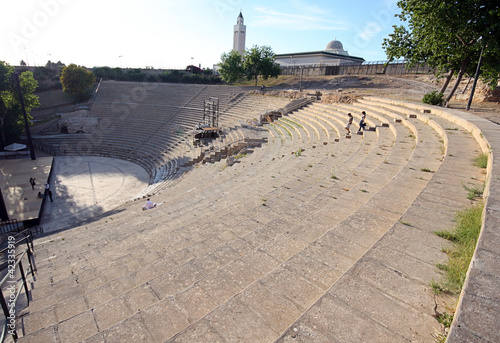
(260, 60)
(448, 35)
(11, 115)
(76, 80)
(231, 66)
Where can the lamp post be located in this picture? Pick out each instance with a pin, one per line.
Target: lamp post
(26, 126)
(4, 215)
(301, 67)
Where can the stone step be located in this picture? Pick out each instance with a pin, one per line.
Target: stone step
(227, 238)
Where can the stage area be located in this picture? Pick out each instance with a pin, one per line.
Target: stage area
(85, 187)
(20, 199)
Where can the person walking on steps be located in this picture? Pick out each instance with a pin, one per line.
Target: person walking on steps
(32, 182)
(362, 123)
(348, 126)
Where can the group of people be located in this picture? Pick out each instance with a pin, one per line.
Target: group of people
(362, 123)
(41, 195)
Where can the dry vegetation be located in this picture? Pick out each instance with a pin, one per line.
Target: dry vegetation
(346, 88)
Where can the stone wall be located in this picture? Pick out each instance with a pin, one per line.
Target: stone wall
(77, 122)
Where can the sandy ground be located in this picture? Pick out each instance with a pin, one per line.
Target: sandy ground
(405, 87)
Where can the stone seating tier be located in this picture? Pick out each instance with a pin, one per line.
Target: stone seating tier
(138, 121)
(344, 221)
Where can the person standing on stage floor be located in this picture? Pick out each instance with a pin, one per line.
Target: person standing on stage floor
(347, 127)
(32, 182)
(362, 123)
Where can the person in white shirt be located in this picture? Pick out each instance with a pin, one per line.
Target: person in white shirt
(149, 205)
(348, 126)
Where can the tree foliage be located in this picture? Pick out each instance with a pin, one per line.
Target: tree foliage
(11, 115)
(449, 35)
(260, 61)
(257, 61)
(76, 80)
(231, 66)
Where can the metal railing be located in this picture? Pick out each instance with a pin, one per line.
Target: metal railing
(11, 225)
(398, 67)
(15, 278)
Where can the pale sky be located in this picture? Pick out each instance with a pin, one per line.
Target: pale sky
(174, 34)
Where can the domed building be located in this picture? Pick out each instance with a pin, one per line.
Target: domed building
(336, 47)
(333, 55)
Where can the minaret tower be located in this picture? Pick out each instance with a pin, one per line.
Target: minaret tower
(239, 35)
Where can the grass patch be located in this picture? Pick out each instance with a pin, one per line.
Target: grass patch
(481, 161)
(464, 237)
(474, 192)
(299, 152)
(292, 122)
(426, 170)
(334, 177)
(44, 121)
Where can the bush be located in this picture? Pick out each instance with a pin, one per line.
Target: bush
(433, 98)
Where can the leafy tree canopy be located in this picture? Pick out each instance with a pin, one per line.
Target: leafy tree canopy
(260, 61)
(448, 35)
(11, 115)
(231, 66)
(257, 61)
(76, 80)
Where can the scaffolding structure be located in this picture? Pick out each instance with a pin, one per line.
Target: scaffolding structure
(209, 127)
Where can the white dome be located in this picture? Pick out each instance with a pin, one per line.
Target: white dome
(334, 45)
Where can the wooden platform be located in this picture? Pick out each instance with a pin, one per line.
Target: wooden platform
(20, 199)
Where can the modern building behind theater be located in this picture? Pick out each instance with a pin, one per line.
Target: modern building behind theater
(333, 55)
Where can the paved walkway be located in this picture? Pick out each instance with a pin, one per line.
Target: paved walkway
(21, 199)
(85, 187)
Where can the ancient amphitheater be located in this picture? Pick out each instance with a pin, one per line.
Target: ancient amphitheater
(308, 237)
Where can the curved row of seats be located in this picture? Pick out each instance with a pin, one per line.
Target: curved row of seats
(305, 238)
(149, 123)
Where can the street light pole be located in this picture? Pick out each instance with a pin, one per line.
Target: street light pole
(26, 126)
(4, 215)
